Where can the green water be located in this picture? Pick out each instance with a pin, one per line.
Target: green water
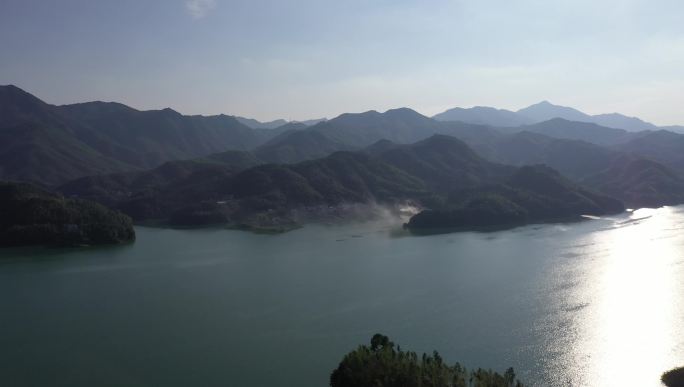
(593, 303)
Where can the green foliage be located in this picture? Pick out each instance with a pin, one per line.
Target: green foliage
(383, 365)
(674, 377)
(532, 194)
(487, 210)
(30, 216)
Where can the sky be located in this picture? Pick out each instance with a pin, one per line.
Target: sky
(301, 59)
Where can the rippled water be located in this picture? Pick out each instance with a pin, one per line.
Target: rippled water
(596, 303)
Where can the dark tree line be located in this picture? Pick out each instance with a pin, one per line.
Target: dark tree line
(383, 365)
(32, 216)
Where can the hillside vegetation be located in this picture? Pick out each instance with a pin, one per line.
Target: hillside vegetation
(384, 364)
(531, 194)
(441, 173)
(31, 216)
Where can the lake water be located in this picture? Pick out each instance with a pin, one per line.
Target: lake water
(595, 303)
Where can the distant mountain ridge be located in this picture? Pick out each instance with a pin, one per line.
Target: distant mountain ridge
(120, 149)
(256, 124)
(355, 131)
(544, 111)
(50, 144)
(484, 115)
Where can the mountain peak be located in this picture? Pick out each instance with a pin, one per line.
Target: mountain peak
(544, 104)
(483, 115)
(545, 110)
(16, 95)
(404, 113)
(403, 110)
(10, 87)
(170, 111)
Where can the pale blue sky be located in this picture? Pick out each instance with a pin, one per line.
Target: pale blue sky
(311, 58)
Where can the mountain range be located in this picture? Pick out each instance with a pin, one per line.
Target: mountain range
(160, 165)
(50, 144)
(545, 111)
(256, 124)
(431, 173)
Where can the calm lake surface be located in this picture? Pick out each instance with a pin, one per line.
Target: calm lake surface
(595, 303)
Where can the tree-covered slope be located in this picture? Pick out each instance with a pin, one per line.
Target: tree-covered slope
(355, 131)
(299, 145)
(575, 159)
(276, 194)
(148, 138)
(444, 163)
(438, 172)
(49, 156)
(422, 172)
(531, 194)
(383, 364)
(111, 189)
(32, 216)
(50, 144)
(639, 183)
(629, 176)
(484, 115)
(573, 130)
(662, 146)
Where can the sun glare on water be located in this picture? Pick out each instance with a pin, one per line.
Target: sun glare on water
(632, 333)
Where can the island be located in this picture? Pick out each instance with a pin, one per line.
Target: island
(32, 216)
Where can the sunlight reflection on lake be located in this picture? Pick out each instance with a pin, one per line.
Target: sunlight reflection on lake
(630, 332)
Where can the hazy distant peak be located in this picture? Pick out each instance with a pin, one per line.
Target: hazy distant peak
(99, 106)
(564, 121)
(366, 114)
(545, 104)
(170, 111)
(545, 110)
(488, 109)
(402, 110)
(483, 115)
(256, 124)
(310, 122)
(617, 120)
(11, 88)
(380, 146)
(14, 94)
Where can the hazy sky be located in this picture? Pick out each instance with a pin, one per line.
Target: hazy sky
(301, 59)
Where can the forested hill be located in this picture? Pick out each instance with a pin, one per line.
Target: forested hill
(429, 173)
(32, 216)
(531, 194)
(51, 144)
